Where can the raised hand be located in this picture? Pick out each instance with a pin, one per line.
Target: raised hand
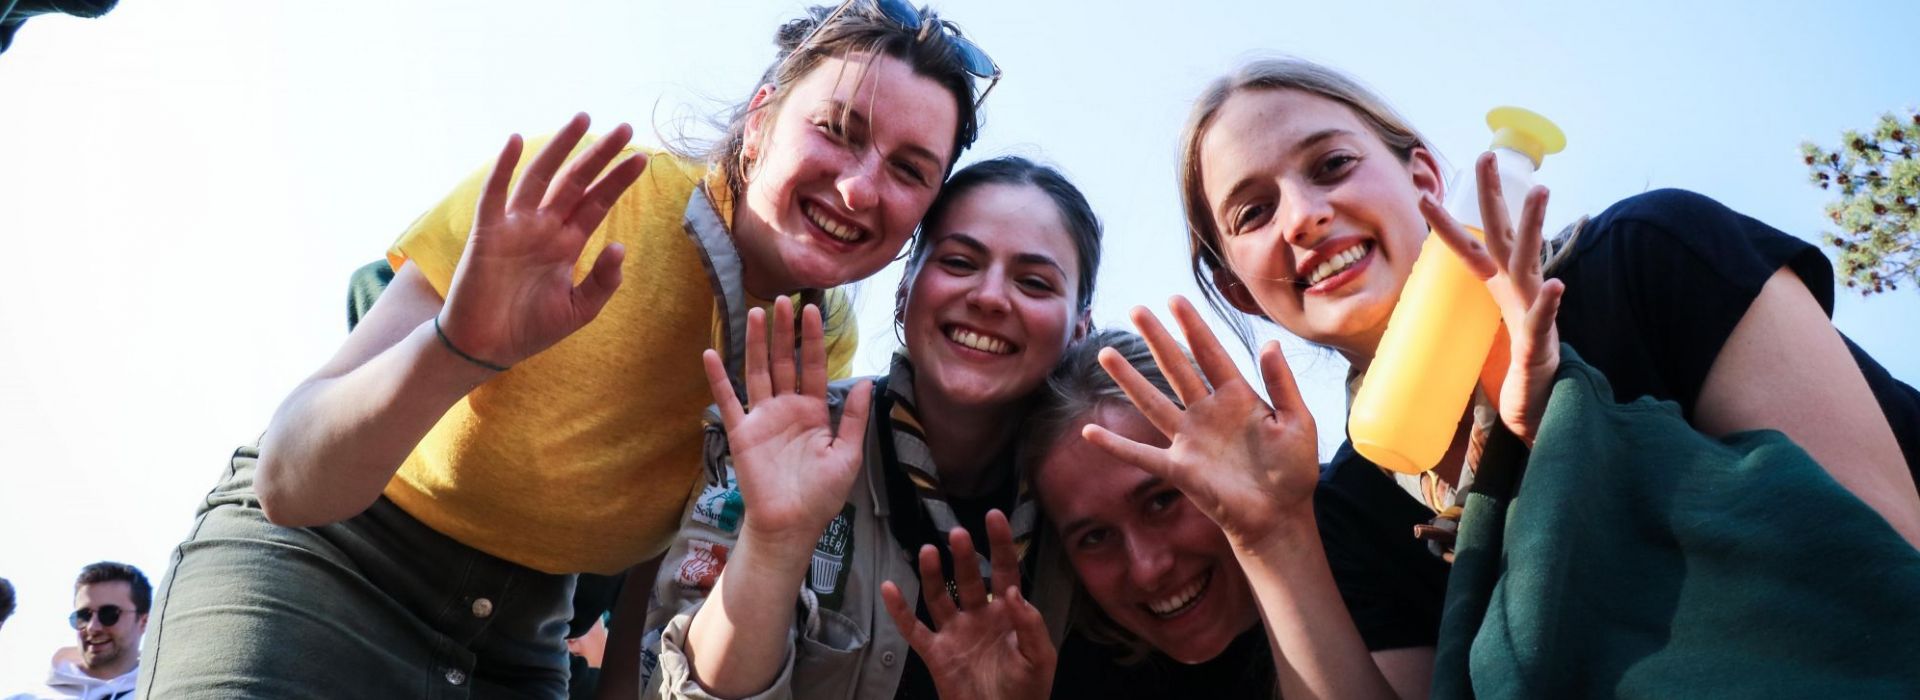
(983, 649)
(1249, 466)
(1509, 262)
(513, 293)
(794, 469)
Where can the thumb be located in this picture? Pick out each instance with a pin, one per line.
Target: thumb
(592, 293)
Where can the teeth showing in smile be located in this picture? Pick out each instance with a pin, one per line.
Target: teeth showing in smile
(833, 228)
(1181, 600)
(977, 341)
(1339, 263)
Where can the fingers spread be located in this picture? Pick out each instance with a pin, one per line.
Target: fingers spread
(1494, 221)
(852, 432)
(1207, 350)
(910, 627)
(1281, 388)
(1148, 458)
(1463, 244)
(781, 352)
(1158, 409)
(593, 292)
(1035, 643)
(533, 182)
(571, 184)
(593, 206)
(813, 353)
(1168, 355)
(722, 389)
(493, 198)
(1004, 558)
(933, 587)
(1524, 268)
(759, 383)
(966, 570)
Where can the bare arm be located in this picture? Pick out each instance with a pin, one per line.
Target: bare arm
(340, 436)
(794, 471)
(1786, 368)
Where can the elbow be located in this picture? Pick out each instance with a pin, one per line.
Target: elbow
(280, 501)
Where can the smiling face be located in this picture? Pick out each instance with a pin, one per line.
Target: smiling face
(109, 650)
(1317, 216)
(993, 305)
(1152, 562)
(841, 170)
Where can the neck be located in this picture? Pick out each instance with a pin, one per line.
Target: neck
(964, 440)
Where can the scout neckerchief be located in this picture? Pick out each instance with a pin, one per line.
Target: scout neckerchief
(1442, 498)
(708, 221)
(912, 479)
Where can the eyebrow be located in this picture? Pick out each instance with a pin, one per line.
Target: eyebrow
(1020, 258)
(1313, 139)
(855, 117)
(1139, 491)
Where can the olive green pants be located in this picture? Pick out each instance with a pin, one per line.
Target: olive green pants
(376, 606)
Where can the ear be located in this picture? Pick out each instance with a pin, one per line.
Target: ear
(1236, 293)
(1083, 326)
(1427, 177)
(758, 120)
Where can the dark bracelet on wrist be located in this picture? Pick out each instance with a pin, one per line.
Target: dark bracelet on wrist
(462, 353)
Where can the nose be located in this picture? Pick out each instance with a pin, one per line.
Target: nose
(990, 294)
(858, 183)
(1149, 562)
(1305, 214)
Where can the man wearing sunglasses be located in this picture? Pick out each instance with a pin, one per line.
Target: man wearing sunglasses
(110, 602)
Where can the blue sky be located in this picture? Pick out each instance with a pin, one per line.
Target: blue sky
(186, 185)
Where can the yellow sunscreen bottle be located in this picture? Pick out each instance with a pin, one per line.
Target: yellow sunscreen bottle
(1417, 389)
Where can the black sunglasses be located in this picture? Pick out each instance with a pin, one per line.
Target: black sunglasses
(901, 13)
(109, 616)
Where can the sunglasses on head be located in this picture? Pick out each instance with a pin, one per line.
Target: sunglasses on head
(904, 15)
(109, 616)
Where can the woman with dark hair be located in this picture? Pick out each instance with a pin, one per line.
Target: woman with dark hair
(815, 495)
(412, 519)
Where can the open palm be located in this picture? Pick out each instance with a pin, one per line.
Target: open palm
(1510, 264)
(980, 647)
(793, 466)
(513, 292)
(1249, 466)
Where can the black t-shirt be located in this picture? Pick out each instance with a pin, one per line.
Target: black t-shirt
(1655, 285)
(1092, 670)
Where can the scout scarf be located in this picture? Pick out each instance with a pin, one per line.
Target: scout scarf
(912, 479)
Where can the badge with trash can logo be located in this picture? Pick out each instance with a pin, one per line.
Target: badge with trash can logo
(829, 573)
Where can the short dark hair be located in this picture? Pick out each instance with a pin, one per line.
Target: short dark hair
(7, 600)
(106, 571)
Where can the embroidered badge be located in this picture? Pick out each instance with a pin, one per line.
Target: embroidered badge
(702, 565)
(720, 505)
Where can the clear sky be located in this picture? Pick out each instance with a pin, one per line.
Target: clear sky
(184, 186)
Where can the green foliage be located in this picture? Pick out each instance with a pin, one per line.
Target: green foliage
(1877, 217)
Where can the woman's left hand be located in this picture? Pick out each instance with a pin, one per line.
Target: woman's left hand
(983, 649)
(1509, 262)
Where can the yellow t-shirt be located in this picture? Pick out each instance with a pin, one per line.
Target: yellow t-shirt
(580, 458)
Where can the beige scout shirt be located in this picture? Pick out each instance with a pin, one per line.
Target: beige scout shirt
(843, 644)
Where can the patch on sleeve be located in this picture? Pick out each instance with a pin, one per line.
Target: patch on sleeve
(702, 565)
(720, 505)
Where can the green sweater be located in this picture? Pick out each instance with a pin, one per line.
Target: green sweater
(1632, 556)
